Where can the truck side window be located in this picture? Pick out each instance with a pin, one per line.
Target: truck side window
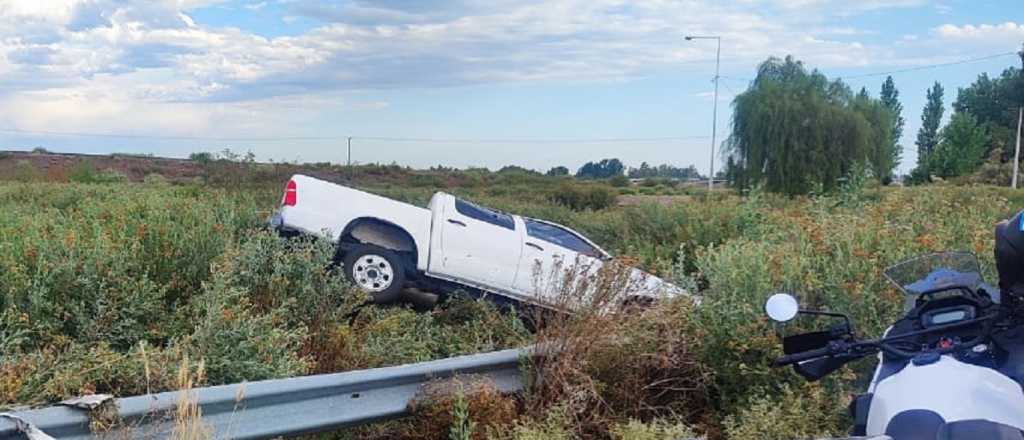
(478, 212)
(561, 237)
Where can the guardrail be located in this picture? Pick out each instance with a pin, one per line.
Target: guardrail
(280, 407)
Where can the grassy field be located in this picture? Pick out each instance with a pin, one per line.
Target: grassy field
(115, 286)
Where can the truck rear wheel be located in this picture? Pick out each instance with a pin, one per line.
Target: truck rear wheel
(376, 271)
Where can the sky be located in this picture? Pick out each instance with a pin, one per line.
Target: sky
(457, 83)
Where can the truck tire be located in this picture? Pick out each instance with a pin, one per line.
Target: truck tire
(376, 271)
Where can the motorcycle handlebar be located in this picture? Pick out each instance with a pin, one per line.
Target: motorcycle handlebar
(864, 347)
(803, 356)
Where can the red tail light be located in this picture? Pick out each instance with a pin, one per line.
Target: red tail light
(289, 194)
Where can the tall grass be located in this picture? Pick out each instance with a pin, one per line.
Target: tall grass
(111, 287)
(106, 287)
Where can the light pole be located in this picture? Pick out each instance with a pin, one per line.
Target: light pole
(1016, 155)
(714, 117)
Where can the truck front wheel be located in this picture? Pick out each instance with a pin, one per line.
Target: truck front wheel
(376, 271)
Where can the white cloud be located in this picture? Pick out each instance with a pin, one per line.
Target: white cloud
(149, 63)
(1006, 32)
(845, 7)
(401, 43)
(256, 6)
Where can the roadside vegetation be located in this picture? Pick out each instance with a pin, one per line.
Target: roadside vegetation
(114, 287)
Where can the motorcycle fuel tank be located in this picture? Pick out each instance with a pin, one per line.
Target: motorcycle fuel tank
(952, 389)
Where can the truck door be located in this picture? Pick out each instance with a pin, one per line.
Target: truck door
(553, 259)
(479, 244)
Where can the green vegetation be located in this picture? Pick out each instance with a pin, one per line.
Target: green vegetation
(994, 103)
(797, 132)
(116, 287)
(85, 172)
(664, 171)
(977, 144)
(961, 149)
(558, 171)
(891, 99)
(604, 169)
(928, 134)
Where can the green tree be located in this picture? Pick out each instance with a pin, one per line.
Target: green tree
(890, 97)
(604, 169)
(881, 155)
(931, 118)
(558, 171)
(796, 131)
(994, 103)
(664, 170)
(961, 149)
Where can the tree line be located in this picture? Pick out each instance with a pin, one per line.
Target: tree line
(613, 167)
(795, 131)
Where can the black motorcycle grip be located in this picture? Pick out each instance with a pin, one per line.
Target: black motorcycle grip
(800, 357)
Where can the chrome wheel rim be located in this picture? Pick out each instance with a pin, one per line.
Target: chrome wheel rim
(373, 273)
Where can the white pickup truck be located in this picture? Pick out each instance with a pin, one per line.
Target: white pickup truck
(385, 245)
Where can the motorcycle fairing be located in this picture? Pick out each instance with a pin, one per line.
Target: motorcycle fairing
(954, 390)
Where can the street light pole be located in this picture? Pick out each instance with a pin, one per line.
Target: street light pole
(714, 115)
(1016, 154)
(349, 162)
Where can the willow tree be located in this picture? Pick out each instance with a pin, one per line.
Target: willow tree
(796, 131)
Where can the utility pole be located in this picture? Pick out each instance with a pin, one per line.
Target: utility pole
(1016, 154)
(349, 163)
(714, 115)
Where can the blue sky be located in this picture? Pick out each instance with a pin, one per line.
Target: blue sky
(475, 82)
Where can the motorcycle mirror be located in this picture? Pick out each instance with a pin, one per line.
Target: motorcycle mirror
(781, 307)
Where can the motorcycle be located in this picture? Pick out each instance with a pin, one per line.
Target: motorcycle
(951, 368)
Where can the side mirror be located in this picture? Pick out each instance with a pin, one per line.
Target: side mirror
(781, 307)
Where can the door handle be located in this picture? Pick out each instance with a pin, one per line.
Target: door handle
(535, 246)
(456, 222)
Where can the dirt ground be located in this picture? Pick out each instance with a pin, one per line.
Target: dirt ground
(55, 166)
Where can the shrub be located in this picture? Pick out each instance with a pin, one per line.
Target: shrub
(581, 197)
(606, 364)
(619, 181)
(992, 172)
(236, 342)
(459, 408)
(657, 429)
(155, 179)
(24, 171)
(785, 417)
(82, 172)
(555, 425)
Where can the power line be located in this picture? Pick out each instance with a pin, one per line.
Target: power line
(930, 66)
(346, 137)
(164, 137)
(530, 141)
(908, 69)
(730, 90)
